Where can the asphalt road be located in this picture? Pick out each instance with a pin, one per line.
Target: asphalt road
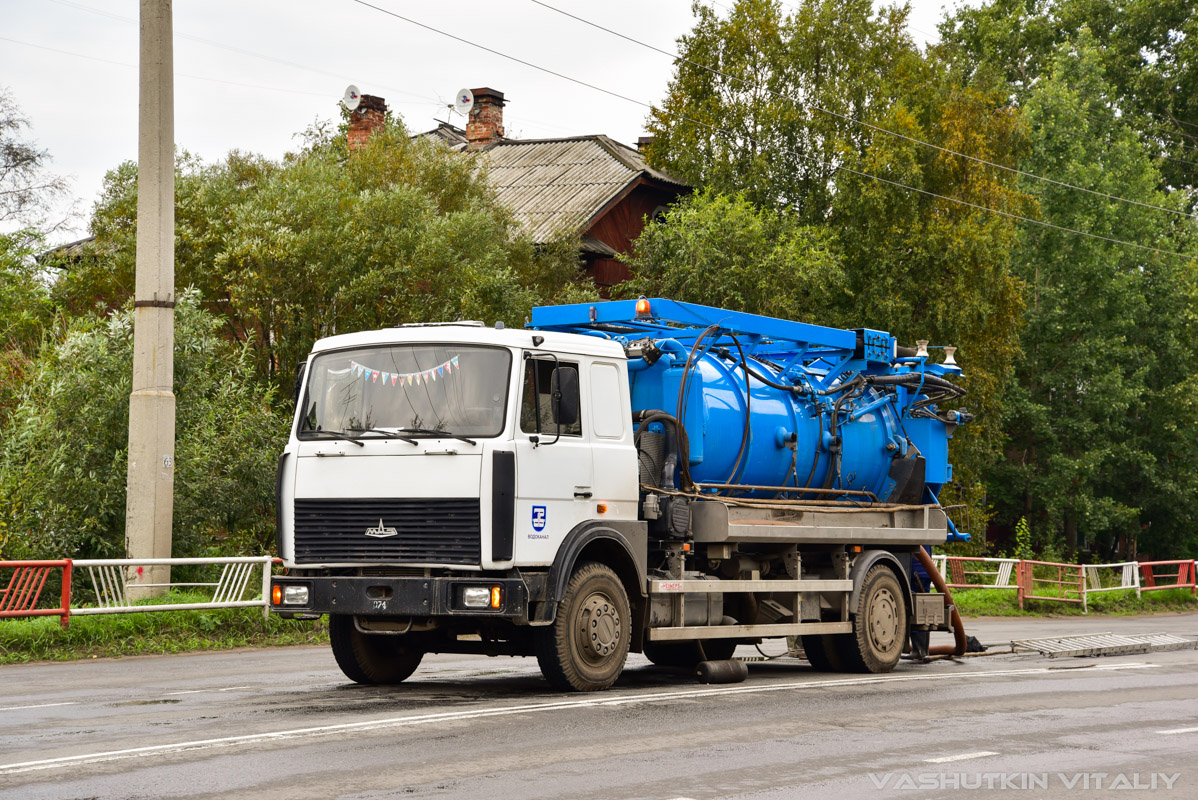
(285, 724)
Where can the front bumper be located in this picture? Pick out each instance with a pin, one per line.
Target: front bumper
(401, 597)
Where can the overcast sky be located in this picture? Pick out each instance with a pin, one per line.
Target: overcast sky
(251, 74)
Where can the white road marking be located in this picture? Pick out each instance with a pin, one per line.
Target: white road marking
(200, 691)
(40, 705)
(1174, 730)
(961, 757)
(531, 708)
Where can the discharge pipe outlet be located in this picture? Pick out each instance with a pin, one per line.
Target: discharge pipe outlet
(958, 648)
(730, 671)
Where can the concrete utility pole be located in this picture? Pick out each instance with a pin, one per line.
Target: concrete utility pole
(149, 502)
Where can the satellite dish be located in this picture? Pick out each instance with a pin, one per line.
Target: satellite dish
(463, 101)
(352, 98)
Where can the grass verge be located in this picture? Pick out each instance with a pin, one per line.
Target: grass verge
(1005, 603)
(152, 633)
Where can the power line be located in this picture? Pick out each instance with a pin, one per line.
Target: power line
(438, 102)
(179, 74)
(899, 184)
(241, 51)
(855, 121)
(486, 49)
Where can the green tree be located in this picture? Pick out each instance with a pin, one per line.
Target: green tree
(1102, 426)
(764, 102)
(62, 469)
(27, 196)
(724, 251)
(821, 118)
(329, 241)
(1147, 49)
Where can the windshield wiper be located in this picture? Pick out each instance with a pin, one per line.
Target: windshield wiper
(443, 434)
(387, 434)
(330, 434)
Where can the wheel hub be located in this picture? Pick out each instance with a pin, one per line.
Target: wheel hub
(599, 626)
(884, 625)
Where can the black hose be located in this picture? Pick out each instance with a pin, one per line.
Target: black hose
(915, 378)
(683, 387)
(739, 468)
(647, 417)
(815, 461)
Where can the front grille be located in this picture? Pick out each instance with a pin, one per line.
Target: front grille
(427, 531)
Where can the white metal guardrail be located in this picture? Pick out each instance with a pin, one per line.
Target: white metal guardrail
(1129, 577)
(957, 569)
(109, 578)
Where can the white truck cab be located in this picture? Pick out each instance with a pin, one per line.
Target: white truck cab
(385, 464)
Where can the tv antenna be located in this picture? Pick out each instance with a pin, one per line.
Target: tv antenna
(352, 98)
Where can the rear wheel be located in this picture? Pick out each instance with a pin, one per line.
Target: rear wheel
(686, 654)
(823, 651)
(585, 648)
(370, 659)
(880, 626)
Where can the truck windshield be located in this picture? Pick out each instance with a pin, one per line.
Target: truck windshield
(422, 389)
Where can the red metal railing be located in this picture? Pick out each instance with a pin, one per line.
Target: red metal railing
(1067, 578)
(1182, 576)
(19, 598)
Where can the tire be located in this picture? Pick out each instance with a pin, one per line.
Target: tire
(823, 651)
(686, 654)
(370, 659)
(880, 627)
(585, 648)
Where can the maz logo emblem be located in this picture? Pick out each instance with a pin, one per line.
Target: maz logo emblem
(381, 532)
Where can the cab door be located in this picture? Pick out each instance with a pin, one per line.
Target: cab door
(554, 469)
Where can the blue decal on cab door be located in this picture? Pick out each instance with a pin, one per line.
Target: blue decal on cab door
(538, 518)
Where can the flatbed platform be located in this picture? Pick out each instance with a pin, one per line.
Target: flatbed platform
(717, 520)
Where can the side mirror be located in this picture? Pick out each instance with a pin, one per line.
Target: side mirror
(563, 388)
(301, 368)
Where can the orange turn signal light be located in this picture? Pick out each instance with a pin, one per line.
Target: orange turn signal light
(601, 508)
(496, 596)
(276, 595)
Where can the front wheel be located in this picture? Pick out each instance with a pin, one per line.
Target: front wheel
(585, 648)
(370, 659)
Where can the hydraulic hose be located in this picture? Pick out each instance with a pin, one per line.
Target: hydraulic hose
(957, 649)
(683, 447)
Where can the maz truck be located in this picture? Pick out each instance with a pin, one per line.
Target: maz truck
(643, 476)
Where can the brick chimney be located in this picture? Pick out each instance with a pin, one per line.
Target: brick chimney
(486, 118)
(643, 142)
(365, 120)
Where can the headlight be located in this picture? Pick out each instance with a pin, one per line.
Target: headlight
(295, 595)
(476, 596)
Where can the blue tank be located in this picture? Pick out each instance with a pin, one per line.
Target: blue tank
(773, 404)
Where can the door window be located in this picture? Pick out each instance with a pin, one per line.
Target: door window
(538, 398)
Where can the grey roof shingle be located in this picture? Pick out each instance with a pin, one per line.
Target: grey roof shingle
(556, 186)
(559, 185)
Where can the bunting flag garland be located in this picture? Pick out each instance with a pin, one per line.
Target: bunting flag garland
(401, 378)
